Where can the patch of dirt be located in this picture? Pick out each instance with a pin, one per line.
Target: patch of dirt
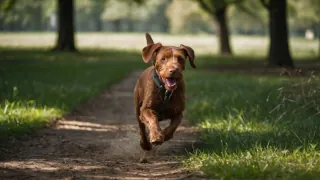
(99, 140)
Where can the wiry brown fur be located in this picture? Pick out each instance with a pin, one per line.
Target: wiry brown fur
(169, 61)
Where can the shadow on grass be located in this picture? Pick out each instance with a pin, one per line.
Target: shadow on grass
(241, 111)
(245, 60)
(36, 85)
(255, 126)
(257, 66)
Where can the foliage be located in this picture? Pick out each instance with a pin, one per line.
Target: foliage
(212, 6)
(6, 4)
(304, 13)
(89, 14)
(184, 15)
(176, 16)
(123, 9)
(148, 16)
(248, 17)
(25, 15)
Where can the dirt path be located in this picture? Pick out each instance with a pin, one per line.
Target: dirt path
(100, 140)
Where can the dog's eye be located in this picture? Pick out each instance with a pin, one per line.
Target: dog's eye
(163, 59)
(180, 59)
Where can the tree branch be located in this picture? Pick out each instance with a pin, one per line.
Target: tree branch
(265, 4)
(7, 5)
(235, 1)
(251, 14)
(227, 3)
(205, 7)
(222, 6)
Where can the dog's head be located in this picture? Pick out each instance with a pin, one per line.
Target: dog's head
(169, 61)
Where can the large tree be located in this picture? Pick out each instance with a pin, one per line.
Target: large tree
(65, 40)
(66, 28)
(279, 53)
(217, 9)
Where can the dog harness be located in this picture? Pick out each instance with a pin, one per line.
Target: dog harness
(161, 89)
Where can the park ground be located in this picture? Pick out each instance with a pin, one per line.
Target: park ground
(67, 115)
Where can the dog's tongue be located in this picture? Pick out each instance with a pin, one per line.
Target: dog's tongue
(171, 82)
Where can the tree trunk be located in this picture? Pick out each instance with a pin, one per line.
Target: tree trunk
(222, 30)
(318, 39)
(98, 23)
(130, 25)
(279, 54)
(117, 25)
(65, 40)
(38, 18)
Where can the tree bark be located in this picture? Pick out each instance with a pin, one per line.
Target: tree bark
(222, 30)
(318, 39)
(117, 25)
(130, 25)
(65, 40)
(98, 23)
(279, 54)
(38, 18)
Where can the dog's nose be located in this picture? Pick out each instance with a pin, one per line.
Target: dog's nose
(173, 70)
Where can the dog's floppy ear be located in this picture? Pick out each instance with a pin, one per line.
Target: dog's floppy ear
(148, 51)
(190, 54)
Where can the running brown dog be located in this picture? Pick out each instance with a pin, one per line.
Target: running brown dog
(160, 91)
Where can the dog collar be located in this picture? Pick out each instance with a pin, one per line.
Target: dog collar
(157, 80)
(161, 87)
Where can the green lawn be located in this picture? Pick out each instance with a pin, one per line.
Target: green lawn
(37, 86)
(255, 127)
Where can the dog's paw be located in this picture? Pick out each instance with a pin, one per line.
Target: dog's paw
(145, 145)
(167, 135)
(143, 160)
(157, 139)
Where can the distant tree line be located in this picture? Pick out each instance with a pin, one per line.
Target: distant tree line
(272, 17)
(247, 17)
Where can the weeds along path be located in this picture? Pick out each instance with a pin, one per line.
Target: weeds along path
(99, 140)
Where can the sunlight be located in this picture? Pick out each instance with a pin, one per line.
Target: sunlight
(86, 126)
(45, 165)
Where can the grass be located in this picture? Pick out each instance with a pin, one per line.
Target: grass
(255, 127)
(37, 86)
(254, 46)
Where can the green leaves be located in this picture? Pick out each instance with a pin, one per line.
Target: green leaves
(211, 6)
(7, 4)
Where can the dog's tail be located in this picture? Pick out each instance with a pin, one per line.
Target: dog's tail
(149, 39)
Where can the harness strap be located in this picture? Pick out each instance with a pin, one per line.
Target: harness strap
(161, 88)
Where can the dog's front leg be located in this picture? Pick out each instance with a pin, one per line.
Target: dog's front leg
(150, 119)
(174, 123)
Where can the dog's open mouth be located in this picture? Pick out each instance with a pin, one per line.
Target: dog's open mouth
(170, 82)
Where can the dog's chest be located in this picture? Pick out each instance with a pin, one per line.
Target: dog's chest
(174, 106)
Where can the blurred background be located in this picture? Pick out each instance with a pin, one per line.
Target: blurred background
(247, 17)
(198, 23)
